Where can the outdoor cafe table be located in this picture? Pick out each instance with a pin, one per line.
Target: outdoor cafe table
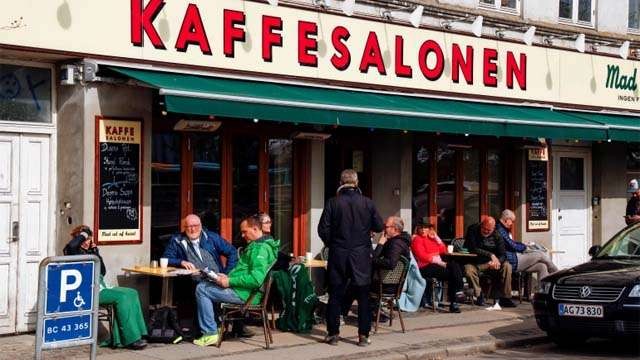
(461, 258)
(167, 274)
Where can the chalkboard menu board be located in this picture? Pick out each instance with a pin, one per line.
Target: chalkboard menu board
(537, 190)
(118, 181)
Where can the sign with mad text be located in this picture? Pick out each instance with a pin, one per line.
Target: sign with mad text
(118, 196)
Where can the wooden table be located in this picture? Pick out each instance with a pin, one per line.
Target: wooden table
(316, 264)
(460, 258)
(166, 274)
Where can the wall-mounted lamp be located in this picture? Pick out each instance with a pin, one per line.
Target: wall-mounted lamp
(579, 43)
(322, 3)
(273, 2)
(475, 27)
(526, 37)
(416, 16)
(348, 6)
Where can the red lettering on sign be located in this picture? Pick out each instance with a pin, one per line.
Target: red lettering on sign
(517, 71)
(428, 47)
(459, 62)
(402, 70)
(192, 31)
(231, 18)
(306, 43)
(490, 67)
(269, 38)
(372, 56)
(142, 22)
(339, 37)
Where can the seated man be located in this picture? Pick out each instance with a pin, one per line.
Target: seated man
(246, 277)
(483, 240)
(533, 261)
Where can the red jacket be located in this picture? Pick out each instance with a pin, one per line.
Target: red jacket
(424, 249)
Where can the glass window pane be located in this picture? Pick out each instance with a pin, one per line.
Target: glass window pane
(281, 192)
(206, 179)
(421, 175)
(566, 9)
(471, 185)
(584, 10)
(492, 2)
(245, 182)
(446, 192)
(25, 94)
(509, 4)
(571, 173)
(633, 157)
(165, 190)
(495, 183)
(634, 14)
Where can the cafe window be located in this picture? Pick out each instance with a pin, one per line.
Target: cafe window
(633, 161)
(281, 191)
(206, 177)
(495, 182)
(512, 6)
(634, 16)
(421, 183)
(571, 173)
(25, 94)
(446, 192)
(581, 12)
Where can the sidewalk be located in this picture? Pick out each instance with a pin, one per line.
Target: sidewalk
(429, 335)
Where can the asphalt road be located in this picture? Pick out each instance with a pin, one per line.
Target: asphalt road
(592, 350)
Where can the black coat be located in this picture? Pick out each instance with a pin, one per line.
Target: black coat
(485, 246)
(345, 228)
(387, 256)
(73, 248)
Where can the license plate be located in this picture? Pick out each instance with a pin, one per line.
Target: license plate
(594, 311)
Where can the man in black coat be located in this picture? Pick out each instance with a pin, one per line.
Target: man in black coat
(345, 228)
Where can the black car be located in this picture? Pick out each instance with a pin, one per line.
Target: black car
(600, 298)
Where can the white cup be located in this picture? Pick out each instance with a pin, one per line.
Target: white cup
(309, 257)
(164, 262)
(449, 248)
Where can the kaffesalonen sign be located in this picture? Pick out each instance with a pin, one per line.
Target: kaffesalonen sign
(254, 37)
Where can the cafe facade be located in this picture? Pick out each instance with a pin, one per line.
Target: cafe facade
(129, 115)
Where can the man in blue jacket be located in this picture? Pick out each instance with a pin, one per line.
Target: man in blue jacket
(197, 248)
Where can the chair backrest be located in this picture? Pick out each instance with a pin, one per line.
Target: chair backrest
(324, 253)
(458, 244)
(265, 288)
(396, 276)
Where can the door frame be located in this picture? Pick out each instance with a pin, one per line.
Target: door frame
(50, 129)
(556, 153)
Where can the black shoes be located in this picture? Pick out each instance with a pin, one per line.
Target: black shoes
(331, 340)
(137, 345)
(480, 301)
(507, 303)
(363, 341)
(454, 308)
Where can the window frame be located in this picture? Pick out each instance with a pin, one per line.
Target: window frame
(632, 30)
(574, 15)
(497, 6)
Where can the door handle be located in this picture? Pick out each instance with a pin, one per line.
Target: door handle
(15, 230)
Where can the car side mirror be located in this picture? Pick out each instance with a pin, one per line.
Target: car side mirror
(594, 250)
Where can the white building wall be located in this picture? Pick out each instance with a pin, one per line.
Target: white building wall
(317, 195)
(467, 3)
(540, 10)
(612, 16)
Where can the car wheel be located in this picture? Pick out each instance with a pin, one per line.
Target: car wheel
(566, 340)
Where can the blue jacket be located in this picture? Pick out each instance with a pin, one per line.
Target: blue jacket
(413, 288)
(510, 245)
(209, 241)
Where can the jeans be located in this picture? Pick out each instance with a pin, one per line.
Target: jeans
(208, 293)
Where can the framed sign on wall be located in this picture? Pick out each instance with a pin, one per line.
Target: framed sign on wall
(537, 177)
(118, 180)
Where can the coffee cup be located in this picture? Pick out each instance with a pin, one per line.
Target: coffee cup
(164, 262)
(154, 263)
(309, 257)
(449, 248)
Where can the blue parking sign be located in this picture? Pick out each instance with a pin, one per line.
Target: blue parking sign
(69, 287)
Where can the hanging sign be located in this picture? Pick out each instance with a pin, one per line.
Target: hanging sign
(118, 191)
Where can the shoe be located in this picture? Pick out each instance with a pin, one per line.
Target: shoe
(207, 340)
(363, 341)
(507, 303)
(137, 345)
(460, 297)
(480, 301)
(454, 308)
(331, 340)
(343, 320)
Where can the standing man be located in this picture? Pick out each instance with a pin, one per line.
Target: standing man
(345, 228)
(632, 214)
(483, 240)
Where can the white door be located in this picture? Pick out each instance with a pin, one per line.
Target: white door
(571, 207)
(24, 224)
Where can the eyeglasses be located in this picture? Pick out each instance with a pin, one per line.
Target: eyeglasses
(389, 226)
(192, 226)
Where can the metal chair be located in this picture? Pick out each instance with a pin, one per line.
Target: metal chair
(523, 284)
(384, 296)
(232, 312)
(106, 313)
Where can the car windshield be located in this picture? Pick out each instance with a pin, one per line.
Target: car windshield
(624, 245)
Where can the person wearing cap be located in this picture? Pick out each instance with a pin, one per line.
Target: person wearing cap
(632, 214)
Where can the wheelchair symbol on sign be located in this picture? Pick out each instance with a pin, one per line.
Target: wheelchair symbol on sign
(78, 301)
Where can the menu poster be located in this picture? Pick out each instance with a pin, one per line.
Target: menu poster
(118, 192)
(537, 173)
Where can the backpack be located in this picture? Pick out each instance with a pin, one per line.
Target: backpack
(163, 326)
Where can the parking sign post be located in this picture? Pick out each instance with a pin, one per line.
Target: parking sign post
(68, 288)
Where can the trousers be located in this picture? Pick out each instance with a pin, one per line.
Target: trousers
(502, 276)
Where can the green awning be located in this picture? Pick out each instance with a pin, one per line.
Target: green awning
(621, 128)
(193, 94)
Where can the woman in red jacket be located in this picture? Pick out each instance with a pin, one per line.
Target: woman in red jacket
(427, 247)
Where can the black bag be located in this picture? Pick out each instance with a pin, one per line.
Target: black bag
(164, 326)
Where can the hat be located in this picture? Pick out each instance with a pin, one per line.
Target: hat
(633, 186)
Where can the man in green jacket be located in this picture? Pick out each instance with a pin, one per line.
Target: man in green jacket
(247, 276)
